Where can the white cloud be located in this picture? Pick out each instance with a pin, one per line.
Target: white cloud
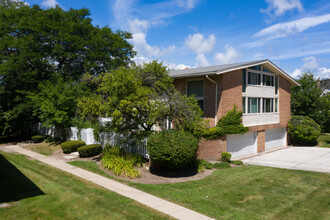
(296, 73)
(292, 27)
(199, 45)
(139, 28)
(187, 4)
(49, 3)
(177, 66)
(201, 60)
(279, 7)
(310, 63)
(229, 56)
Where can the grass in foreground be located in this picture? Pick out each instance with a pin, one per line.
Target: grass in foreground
(43, 148)
(324, 140)
(47, 193)
(248, 192)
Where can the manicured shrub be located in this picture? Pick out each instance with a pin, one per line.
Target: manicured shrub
(231, 123)
(38, 138)
(225, 157)
(120, 162)
(89, 150)
(71, 146)
(236, 162)
(221, 165)
(303, 130)
(172, 149)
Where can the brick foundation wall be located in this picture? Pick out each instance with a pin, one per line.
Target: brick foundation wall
(261, 141)
(211, 150)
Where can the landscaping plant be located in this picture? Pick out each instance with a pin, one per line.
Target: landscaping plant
(39, 138)
(89, 150)
(71, 146)
(303, 130)
(120, 162)
(225, 157)
(172, 149)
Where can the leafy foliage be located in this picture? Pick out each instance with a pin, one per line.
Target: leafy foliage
(39, 45)
(139, 97)
(237, 162)
(120, 162)
(231, 123)
(309, 100)
(303, 130)
(172, 149)
(203, 164)
(89, 150)
(71, 146)
(225, 156)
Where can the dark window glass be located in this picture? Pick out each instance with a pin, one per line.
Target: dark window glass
(243, 104)
(254, 78)
(195, 88)
(244, 81)
(253, 105)
(276, 84)
(267, 105)
(275, 105)
(268, 80)
(255, 67)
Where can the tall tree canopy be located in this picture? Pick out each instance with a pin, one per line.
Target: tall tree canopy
(38, 45)
(309, 100)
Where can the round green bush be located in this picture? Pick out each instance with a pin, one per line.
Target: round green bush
(89, 150)
(225, 157)
(71, 146)
(38, 138)
(172, 149)
(303, 130)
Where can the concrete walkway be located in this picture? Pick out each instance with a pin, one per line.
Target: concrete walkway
(154, 202)
(297, 158)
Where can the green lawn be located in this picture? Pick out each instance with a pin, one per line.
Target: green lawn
(324, 140)
(43, 148)
(248, 192)
(44, 192)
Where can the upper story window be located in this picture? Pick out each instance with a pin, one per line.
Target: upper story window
(196, 88)
(254, 78)
(268, 80)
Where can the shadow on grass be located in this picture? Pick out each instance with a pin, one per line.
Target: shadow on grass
(14, 185)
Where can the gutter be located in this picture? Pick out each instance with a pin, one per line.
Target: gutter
(216, 98)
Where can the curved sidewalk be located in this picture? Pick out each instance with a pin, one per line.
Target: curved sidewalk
(151, 201)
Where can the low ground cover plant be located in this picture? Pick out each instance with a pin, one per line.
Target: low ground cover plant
(172, 149)
(204, 164)
(71, 146)
(236, 162)
(89, 150)
(120, 162)
(225, 157)
(303, 130)
(39, 138)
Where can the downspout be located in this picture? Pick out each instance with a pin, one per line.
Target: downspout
(216, 99)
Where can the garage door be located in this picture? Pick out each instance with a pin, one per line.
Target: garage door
(275, 138)
(242, 144)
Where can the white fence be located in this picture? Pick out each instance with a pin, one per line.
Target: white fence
(87, 135)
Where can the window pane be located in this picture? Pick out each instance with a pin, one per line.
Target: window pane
(267, 105)
(195, 88)
(253, 105)
(276, 84)
(275, 105)
(201, 104)
(255, 67)
(254, 79)
(243, 104)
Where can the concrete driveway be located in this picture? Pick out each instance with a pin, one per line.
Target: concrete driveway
(297, 158)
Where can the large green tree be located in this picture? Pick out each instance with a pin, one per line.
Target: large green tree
(140, 97)
(38, 45)
(309, 100)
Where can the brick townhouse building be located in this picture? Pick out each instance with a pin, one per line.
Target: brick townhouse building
(259, 88)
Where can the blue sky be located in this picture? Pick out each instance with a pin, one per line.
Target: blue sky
(294, 34)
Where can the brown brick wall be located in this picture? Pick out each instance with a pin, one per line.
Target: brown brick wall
(211, 150)
(261, 141)
(284, 101)
(231, 92)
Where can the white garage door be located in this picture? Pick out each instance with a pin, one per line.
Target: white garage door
(275, 138)
(242, 144)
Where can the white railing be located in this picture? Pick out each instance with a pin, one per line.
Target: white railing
(111, 138)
